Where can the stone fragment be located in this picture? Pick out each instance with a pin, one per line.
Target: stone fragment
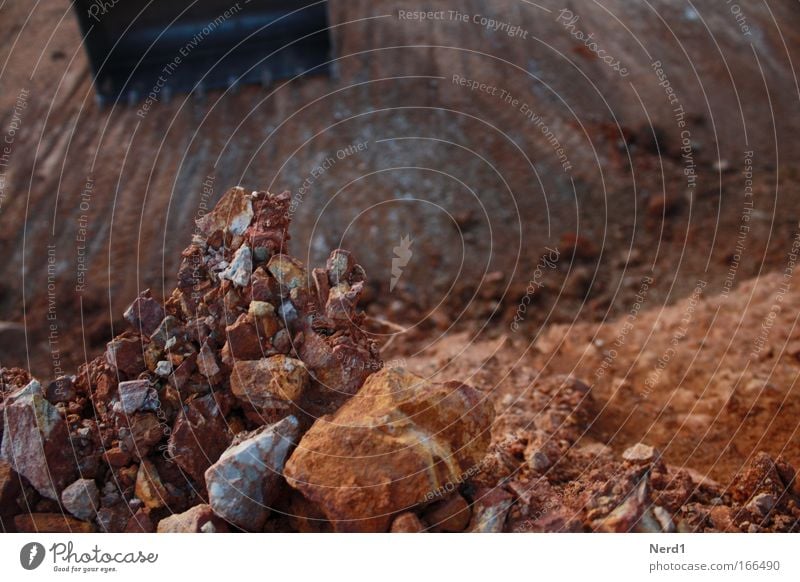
(145, 314)
(342, 301)
(759, 476)
(149, 487)
(135, 395)
(61, 390)
(163, 369)
(244, 482)
(628, 515)
(722, 518)
(762, 504)
(339, 266)
(664, 519)
(264, 287)
(116, 457)
(169, 328)
(341, 369)
(269, 383)
(263, 315)
(199, 437)
(143, 433)
(288, 271)
(407, 522)
(241, 267)
(243, 342)
(207, 363)
(232, 213)
(450, 515)
(51, 523)
(81, 499)
(126, 354)
(490, 510)
(269, 230)
(36, 441)
(114, 518)
(388, 447)
(198, 519)
(640, 453)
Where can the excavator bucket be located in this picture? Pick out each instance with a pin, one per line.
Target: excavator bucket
(141, 48)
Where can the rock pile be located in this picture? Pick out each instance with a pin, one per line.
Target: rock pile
(248, 350)
(188, 419)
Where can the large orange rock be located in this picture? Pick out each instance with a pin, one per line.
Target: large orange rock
(388, 447)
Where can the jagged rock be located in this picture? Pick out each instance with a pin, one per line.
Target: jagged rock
(341, 369)
(243, 342)
(762, 504)
(245, 481)
(149, 487)
(339, 266)
(136, 395)
(198, 519)
(168, 330)
(144, 314)
(199, 437)
(342, 301)
(81, 499)
(207, 364)
(232, 213)
(126, 354)
(117, 457)
(241, 267)
(395, 441)
(288, 272)
(143, 433)
(760, 476)
(490, 510)
(36, 441)
(269, 384)
(264, 318)
(630, 515)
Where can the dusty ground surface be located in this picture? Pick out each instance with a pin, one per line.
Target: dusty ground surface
(709, 381)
